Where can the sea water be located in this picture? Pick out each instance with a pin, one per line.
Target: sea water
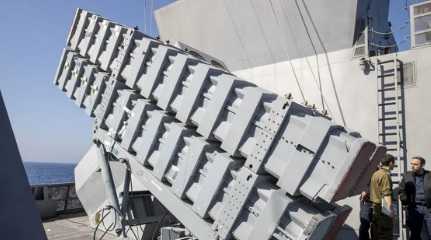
(49, 173)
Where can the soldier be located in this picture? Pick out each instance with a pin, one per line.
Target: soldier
(381, 199)
(415, 193)
(365, 214)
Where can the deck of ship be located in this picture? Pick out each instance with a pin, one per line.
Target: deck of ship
(71, 227)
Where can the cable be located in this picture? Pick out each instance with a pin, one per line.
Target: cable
(107, 229)
(288, 56)
(315, 52)
(298, 50)
(134, 234)
(327, 61)
(103, 223)
(98, 224)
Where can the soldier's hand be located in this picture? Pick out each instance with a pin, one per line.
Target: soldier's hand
(364, 196)
(392, 209)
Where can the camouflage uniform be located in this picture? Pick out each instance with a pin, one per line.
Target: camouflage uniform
(381, 186)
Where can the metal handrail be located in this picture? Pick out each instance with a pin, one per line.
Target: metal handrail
(372, 42)
(381, 33)
(382, 46)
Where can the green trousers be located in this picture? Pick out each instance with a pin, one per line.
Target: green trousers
(381, 225)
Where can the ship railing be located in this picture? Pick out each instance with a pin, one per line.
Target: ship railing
(372, 43)
(56, 199)
(383, 42)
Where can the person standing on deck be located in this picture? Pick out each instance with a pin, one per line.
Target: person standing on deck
(381, 199)
(365, 213)
(415, 194)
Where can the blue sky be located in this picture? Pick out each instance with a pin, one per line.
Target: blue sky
(47, 125)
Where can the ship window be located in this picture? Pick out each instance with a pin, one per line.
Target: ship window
(423, 23)
(425, 8)
(423, 38)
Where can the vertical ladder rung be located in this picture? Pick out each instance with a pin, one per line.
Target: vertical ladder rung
(388, 134)
(386, 75)
(392, 112)
(386, 89)
(392, 127)
(384, 62)
(392, 143)
(387, 119)
(391, 98)
(391, 149)
(386, 104)
(391, 84)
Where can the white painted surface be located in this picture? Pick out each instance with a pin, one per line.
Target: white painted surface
(358, 96)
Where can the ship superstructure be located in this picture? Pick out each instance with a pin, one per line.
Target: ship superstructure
(340, 57)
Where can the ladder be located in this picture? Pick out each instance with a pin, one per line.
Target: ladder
(391, 119)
